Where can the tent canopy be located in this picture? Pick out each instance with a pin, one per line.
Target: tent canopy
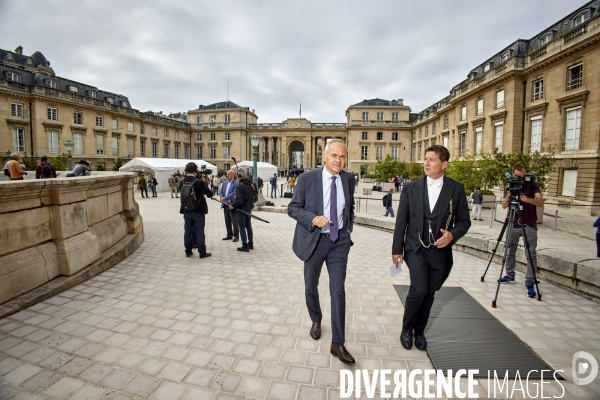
(264, 169)
(162, 164)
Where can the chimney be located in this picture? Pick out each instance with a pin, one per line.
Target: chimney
(19, 50)
(400, 102)
(253, 111)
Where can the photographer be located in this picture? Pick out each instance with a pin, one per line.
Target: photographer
(529, 197)
(194, 209)
(244, 192)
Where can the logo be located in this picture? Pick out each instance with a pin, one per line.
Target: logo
(580, 368)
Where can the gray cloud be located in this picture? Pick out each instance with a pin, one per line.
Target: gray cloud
(174, 55)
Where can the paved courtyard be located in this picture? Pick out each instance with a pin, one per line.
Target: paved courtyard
(234, 326)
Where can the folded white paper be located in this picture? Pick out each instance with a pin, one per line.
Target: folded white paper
(395, 269)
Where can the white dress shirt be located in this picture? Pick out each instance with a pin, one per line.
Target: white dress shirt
(341, 200)
(434, 188)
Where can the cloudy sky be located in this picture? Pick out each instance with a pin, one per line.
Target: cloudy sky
(174, 55)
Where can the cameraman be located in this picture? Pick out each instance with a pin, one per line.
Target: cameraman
(194, 220)
(529, 198)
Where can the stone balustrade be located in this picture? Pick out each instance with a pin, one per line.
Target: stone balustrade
(59, 232)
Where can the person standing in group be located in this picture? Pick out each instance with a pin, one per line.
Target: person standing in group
(477, 203)
(433, 214)
(45, 169)
(531, 196)
(14, 168)
(83, 168)
(153, 183)
(194, 209)
(273, 182)
(143, 185)
(173, 186)
(215, 183)
(260, 184)
(387, 203)
(323, 207)
(228, 190)
(244, 193)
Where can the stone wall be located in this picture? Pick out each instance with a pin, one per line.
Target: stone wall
(56, 228)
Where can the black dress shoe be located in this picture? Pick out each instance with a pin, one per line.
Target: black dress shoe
(421, 342)
(235, 239)
(227, 238)
(406, 339)
(246, 249)
(188, 254)
(205, 255)
(342, 354)
(315, 330)
(251, 246)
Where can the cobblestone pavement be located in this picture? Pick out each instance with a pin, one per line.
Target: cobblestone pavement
(162, 326)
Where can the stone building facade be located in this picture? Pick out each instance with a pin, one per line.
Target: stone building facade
(541, 94)
(534, 95)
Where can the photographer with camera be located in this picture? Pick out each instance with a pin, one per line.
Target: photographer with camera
(527, 192)
(194, 208)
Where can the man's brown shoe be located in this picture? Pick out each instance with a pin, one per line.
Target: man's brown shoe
(315, 330)
(342, 354)
(205, 255)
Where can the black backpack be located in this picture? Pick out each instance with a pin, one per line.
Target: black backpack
(188, 196)
(254, 193)
(46, 170)
(384, 200)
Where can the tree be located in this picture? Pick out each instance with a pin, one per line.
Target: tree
(388, 168)
(414, 170)
(100, 167)
(61, 162)
(118, 163)
(29, 163)
(464, 170)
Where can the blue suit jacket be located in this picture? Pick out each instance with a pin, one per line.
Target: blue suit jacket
(231, 186)
(307, 203)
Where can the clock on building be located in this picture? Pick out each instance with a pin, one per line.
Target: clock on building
(296, 124)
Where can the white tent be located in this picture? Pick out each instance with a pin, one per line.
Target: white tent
(265, 170)
(162, 168)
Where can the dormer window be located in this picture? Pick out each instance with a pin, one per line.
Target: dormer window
(379, 103)
(504, 56)
(110, 100)
(394, 103)
(9, 56)
(365, 103)
(92, 94)
(51, 84)
(12, 76)
(580, 19)
(124, 103)
(486, 67)
(29, 61)
(73, 89)
(545, 39)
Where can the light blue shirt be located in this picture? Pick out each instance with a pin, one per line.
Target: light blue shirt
(341, 200)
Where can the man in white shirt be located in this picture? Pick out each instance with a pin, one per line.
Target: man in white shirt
(433, 214)
(227, 195)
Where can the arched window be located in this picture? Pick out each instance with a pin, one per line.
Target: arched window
(545, 39)
(580, 19)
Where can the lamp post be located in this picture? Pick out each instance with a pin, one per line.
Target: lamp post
(69, 147)
(254, 141)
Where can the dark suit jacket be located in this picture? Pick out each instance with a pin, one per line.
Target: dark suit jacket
(409, 220)
(307, 203)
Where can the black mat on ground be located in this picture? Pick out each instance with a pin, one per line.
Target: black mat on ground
(462, 334)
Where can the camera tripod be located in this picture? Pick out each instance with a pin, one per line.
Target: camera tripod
(508, 227)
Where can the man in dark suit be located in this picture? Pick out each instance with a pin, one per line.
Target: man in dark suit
(433, 214)
(323, 207)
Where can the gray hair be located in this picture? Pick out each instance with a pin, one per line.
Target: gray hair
(242, 173)
(335, 141)
(14, 156)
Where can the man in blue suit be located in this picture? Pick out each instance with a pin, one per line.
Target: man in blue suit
(227, 195)
(323, 207)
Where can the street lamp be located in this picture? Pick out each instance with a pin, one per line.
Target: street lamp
(254, 141)
(69, 147)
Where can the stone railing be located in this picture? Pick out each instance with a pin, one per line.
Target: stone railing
(56, 233)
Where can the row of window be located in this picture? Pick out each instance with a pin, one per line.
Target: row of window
(364, 152)
(380, 116)
(213, 137)
(213, 119)
(365, 136)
